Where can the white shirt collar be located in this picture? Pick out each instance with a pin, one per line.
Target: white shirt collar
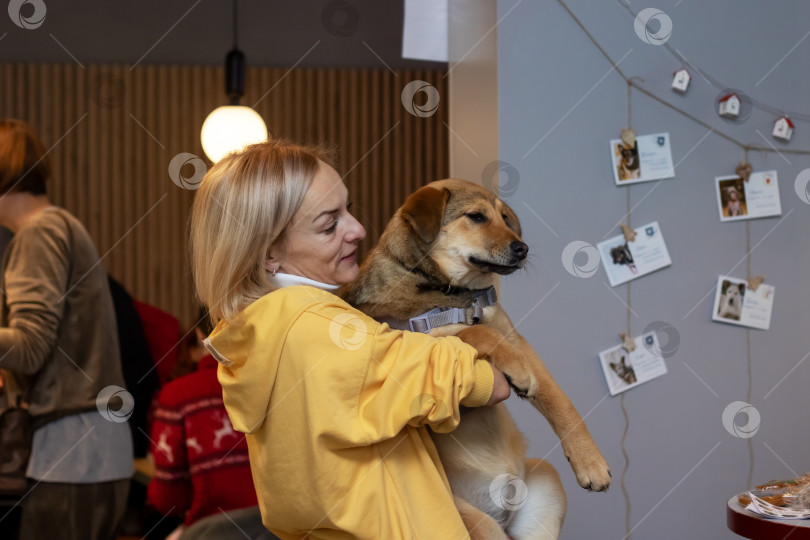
(287, 280)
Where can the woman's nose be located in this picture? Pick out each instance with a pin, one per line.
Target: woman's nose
(356, 231)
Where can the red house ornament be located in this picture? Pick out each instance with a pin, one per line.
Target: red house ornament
(730, 106)
(680, 81)
(783, 128)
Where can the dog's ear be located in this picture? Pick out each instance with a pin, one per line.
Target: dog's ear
(424, 211)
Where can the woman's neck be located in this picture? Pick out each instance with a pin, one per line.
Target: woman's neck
(16, 209)
(287, 280)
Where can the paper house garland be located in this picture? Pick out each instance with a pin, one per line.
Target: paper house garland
(783, 128)
(681, 79)
(730, 106)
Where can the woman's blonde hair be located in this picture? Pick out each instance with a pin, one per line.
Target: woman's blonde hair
(241, 209)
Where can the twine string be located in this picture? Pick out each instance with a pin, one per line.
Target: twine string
(749, 482)
(637, 85)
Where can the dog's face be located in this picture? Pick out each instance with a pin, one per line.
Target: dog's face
(628, 156)
(623, 371)
(621, 255)
(731, 300)
(467, 231)
(734, 293)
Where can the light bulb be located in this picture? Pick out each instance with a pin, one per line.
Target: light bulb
(230, 128)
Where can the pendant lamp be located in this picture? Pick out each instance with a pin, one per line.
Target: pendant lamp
(232, 127)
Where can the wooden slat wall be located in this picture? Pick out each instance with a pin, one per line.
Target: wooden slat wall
(112, 132)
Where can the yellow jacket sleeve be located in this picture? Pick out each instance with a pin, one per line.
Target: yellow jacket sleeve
(352, 380)
(421, 380)
(408, 379)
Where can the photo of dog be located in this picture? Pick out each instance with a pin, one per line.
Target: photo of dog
(621, 255)
(446, 244)
(732, 197)
(731, 300)
(620, 367)
(629, 166)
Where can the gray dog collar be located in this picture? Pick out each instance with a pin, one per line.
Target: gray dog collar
(436, 317)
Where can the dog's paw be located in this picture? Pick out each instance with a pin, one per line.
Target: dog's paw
(591, 470)
(523, 385)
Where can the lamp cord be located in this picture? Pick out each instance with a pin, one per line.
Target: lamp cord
(235, 18)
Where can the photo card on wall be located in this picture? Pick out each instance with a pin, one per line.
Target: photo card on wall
(736, 303)
(756, 198)
(625, 261)
(649, 159)
(624, 369)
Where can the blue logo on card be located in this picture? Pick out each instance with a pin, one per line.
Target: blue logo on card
(661, 141)
(649, 339)
(650, 231)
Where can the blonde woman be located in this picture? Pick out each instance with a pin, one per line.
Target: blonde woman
(335, 406)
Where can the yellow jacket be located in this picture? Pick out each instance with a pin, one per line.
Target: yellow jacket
(336, 407)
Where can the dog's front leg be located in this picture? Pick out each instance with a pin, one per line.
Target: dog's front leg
(586, 460)
(493, 346)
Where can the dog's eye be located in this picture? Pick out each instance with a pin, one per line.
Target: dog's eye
(477, 217)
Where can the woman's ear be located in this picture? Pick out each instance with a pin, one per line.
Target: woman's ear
(272, 261)
(270, 264)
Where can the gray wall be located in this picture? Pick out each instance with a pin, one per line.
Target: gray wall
(678, 486)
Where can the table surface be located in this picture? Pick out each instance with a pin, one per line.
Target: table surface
(750, 525)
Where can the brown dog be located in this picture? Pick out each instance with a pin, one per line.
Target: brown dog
(444, 245)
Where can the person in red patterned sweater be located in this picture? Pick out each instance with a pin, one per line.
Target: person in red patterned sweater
(201, 463)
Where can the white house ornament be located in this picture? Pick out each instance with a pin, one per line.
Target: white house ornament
(681, 80)
(730, 106)
(783, 128)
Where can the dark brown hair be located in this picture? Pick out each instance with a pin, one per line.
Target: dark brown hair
(23, 164)
(185, 361)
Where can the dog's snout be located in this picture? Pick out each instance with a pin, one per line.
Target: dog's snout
(519, 249)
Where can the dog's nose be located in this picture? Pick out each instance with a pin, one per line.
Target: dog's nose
(519, 250)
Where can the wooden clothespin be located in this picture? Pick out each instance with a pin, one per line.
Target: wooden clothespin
(628, 137)
(629, 233)
(744, 170)
(754, 282)
(628, 342)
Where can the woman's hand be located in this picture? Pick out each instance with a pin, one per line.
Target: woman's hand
(501, 389)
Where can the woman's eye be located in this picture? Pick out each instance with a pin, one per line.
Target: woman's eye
(331, 228)
(477, 217)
